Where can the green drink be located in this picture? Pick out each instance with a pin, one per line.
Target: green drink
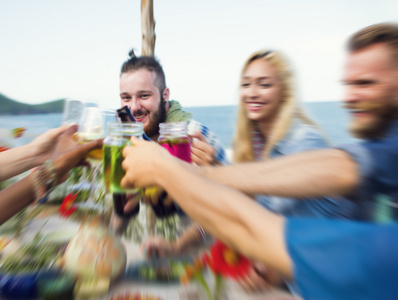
(113, 172)
(117, 171)
(106, 165)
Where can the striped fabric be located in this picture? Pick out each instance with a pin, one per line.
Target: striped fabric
(258, 144)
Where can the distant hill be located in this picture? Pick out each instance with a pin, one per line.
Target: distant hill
(11, 107)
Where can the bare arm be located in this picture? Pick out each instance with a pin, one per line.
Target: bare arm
(23, 158)
(67, 154)
(316, 173)
(225, 213)
(16, 197)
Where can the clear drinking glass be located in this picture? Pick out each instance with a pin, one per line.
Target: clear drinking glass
(93, 126)
(73, 110)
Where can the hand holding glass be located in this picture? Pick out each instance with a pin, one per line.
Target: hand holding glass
(118, 138)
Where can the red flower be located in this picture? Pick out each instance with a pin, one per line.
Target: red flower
(67, 208)
(3, 148)
(224, 261)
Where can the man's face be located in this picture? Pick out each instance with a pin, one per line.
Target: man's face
(139, 92)
(371, 93)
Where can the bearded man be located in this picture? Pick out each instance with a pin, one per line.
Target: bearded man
(143, 89)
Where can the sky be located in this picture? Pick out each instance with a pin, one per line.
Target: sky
(75, 48)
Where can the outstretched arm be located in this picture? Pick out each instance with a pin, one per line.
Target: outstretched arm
(23, 158)
(225, 213)
(67, 154)
(328, 172)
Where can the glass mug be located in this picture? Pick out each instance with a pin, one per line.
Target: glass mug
(173, 136)
(118, 137)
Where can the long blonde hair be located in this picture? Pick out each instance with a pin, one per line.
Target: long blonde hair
(242, 144)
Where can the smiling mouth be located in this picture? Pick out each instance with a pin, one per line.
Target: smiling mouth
(255, 105)
(140, 118)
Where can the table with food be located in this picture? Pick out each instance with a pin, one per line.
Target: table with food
(67, 248)
(47, 256)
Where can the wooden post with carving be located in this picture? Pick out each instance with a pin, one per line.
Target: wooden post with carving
(147, 28)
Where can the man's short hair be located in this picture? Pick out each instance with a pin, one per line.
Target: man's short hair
(382, 33)
(149, 63)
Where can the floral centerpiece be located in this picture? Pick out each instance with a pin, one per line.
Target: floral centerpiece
(223, 262)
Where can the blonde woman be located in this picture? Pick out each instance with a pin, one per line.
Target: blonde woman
(270, 124)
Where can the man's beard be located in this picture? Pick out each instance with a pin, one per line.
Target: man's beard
(383, 115)
(155, 118)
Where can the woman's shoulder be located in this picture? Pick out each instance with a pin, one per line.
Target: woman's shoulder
(302, 130)
(302, 136)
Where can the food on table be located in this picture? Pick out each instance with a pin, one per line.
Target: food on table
(90, 288)
(33, 256)
(4, 242)
(95, 252)
(158, 271)
(25, 266)
(135, 296)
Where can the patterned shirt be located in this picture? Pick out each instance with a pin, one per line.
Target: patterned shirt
(258, 143)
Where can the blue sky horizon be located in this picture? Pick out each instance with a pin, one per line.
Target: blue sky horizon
(74, 49)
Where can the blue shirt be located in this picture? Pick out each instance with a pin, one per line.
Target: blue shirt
(344, 260)
(303, 137)
(377, 160)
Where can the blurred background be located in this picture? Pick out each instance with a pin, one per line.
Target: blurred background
(74, 48)
(54, 50)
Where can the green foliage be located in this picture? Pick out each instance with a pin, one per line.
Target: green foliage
(12, 107)
(33, 256)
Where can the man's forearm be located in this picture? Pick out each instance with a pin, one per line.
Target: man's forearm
(311, 174)
(228, 215)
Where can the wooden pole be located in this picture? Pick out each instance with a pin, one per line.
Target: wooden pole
(147, 28)
(148, 49)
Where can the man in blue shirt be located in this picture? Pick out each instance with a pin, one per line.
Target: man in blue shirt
(329, 259)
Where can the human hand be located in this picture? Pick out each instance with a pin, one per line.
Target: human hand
(44, 145)
(260, 277)
(202, 153)
(132, 200)
(68, 154)
(142, 162)
(158, 247)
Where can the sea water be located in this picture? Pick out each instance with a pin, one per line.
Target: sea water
(330, 117)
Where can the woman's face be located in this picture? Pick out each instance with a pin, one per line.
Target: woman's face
(261, 91)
